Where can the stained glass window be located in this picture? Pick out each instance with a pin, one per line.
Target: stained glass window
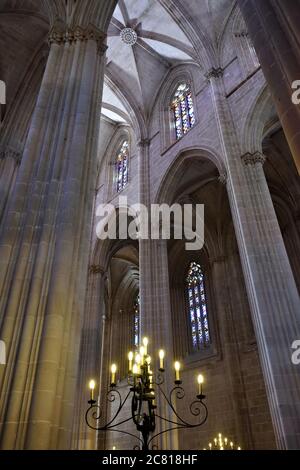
(122, 166)
(197, 306)
(136, 322)
(183, 110)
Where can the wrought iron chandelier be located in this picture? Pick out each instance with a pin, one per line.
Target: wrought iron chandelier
(222, 443)
(144, 388)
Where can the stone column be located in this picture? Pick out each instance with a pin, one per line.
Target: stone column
(274, 29)
(270, 284)
(155, 302)
(44, 245)
(90, 358)
(9, 163)
(233, 379)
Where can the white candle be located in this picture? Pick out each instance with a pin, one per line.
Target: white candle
(177, 370)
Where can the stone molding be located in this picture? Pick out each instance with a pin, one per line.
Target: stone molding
(242, 34)
(95, 269)
(214, 72)
(143, 143)
(9, 152)
(62, 34)
(222, 178)
(253, 158)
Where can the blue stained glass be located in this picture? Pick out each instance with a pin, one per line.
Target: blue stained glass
(197, 306)
(183, 109)
(136, 321)
(122, 166)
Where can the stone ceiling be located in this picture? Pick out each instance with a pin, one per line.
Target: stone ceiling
(160, 34)
(156, 37)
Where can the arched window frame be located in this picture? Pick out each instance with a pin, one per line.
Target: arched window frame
(136, 322)
(166, 115)
(197, 307)
(107, 177)
(182, 110)
(123, 155)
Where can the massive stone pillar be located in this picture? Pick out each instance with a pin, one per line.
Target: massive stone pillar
(9, 164)
(154, 276)
(44, 244)
(270, 284)
(275, 31)
(91, 356)
(155, 303)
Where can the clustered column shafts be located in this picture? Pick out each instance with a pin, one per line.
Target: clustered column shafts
(275, 34)
(45, 246)
(271, 288)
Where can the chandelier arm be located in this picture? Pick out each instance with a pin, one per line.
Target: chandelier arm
(185, 424)
(122, 432)
(97, 407)
(174, 428)
(121, 404)
(169, 400)
(178, 425)
(180, 394)
(111, 427)
(159, 379)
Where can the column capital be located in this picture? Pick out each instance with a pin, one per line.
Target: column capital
(253, 158)
(61, 33)
(96, 269)
(241, 34)
(214, 72)
(218, 259)
(143, 143)
(9, 152)
(222, 178)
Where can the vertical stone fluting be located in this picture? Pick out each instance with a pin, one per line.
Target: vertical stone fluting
(90, 356)
(44, 246)
(232, 365)
(155, 303)
(270, 284)
(9, 163)
(274, 38)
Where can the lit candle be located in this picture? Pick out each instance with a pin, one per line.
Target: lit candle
(130, 359)
(239, 448)
(200, 380)
(92, 386)
(177, 369)
(215, 441)
(142, 354)
(135, 369)
(161, 358)
(231, 445)
(138, 359)
(113, 374)
(225, 440)
(210, 445)
(145, 344)
(114, 448)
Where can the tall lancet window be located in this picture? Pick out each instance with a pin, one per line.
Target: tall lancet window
(183, 110)
(122, 166)
(136, 322)
(197, 306)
